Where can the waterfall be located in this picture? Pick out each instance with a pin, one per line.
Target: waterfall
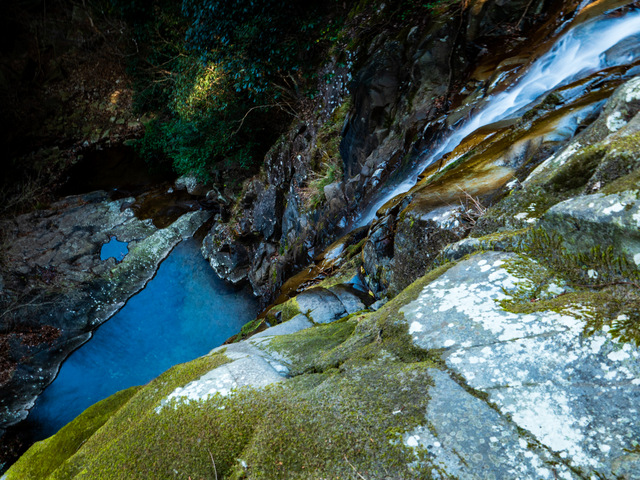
(575, 55)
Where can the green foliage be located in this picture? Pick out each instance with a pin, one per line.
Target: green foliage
(216, 73)
(261, 42)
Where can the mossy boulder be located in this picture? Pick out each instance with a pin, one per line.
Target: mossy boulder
(588, 221)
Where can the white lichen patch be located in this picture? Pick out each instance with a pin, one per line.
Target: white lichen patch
(415, 327)
(632, 90)
(483, 441)
(573, 393)
(615, 208)
(615, 122)
(246, 371)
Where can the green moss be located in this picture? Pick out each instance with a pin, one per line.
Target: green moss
(248, 329)
(360, 384)
(287, 311)
(382, 333)
(130, 417)
(534, 201)
(578, 169)
(307, 348)
(628, 182)
(44, 457)
(604, 287)
(318, 425)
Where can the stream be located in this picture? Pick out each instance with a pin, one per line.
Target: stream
(583, 50)
(184, 312)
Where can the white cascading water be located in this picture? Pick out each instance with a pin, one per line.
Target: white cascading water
(577, 54)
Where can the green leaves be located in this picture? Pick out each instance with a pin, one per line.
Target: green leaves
(265, 40)
(217, 73)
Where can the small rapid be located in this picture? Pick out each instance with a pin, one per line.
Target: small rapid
(578, 53)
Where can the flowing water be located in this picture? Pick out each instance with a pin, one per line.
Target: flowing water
(578, 53)
(184, 312)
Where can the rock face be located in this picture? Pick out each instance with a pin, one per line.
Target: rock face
(598, 220)
(512, 353)
(399, 252)
(511, 395)
(69, 291)
(535, 372)
(367, 122)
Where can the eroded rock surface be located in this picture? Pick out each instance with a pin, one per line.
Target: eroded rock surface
(573, 397)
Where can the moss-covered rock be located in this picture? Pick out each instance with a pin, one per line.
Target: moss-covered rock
(329, 420)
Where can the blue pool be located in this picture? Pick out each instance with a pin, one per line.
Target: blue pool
(114, 248)
(183, 313)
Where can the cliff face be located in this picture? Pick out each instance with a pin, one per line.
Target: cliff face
(381, 96)
(484, 325)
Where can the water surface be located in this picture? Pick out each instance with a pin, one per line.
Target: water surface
(583, 50)
(183, 313)
(114, 249)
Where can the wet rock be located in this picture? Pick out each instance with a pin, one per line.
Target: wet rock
(68, 236)
(569, 395)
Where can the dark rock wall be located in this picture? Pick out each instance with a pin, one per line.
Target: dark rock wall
(398, 84)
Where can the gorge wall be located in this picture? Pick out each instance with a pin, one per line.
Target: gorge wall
(482, 323)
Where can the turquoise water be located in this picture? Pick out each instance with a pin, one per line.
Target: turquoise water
(183, 313)
(114, 248)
